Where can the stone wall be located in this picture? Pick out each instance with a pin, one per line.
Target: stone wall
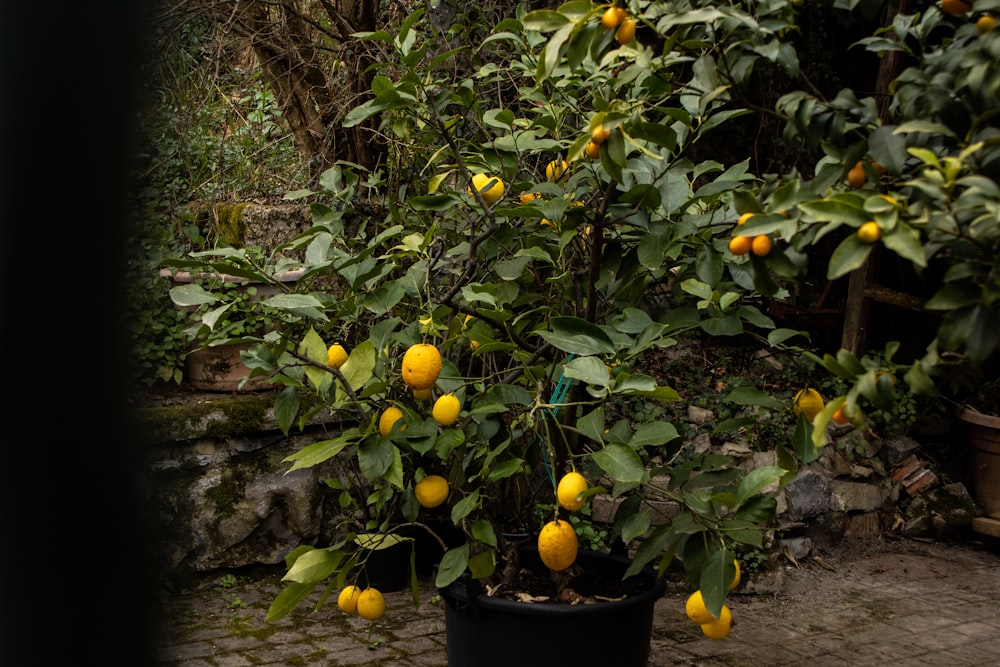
(219, 496)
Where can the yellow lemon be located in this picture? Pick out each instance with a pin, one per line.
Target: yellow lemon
(626, 32)
(446, 409)
(869, 232)
(696, 610)
(740, 245)
(557, 545)
(480, 181)
(389, 417)
(955, 7)
(422, 394)
(527, 197)
(985, 23)
(807, 402)
(736, 579)
(336, 355)
(421, 366)
(761, 245)
(371, 604)
(856, 177)
(569, 489)
(599, 135)
(611, 18)
(431, 491)
(347, 601)
(556, 170)
(593, 150)
(719, 628)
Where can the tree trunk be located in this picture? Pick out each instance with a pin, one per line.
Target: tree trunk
(314, 91)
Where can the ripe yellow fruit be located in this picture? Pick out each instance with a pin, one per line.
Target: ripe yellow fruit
(528, 197)
(744, 217)
(421, 366)
(761, 245)
(985, 24)
(557, 545)
(695, 609)
(736, 579)
(431, 491)
(479, 181)
(740, 245)
(955, 7)
(626, 32)
(869, 232)
(422, 394)
(856, 177)
(592, 151)
(556, 170)
(474, 345)
(569, 489)
(446, 409)
(371, 604)
(389, 417)
(599, 135)
(719, 628)
(611, 18)
(807, 402)
(336, 355)
(347, 601)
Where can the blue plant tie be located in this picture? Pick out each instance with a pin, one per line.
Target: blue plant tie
(559, 393)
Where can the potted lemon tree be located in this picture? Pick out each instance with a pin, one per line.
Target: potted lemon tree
(494, 321)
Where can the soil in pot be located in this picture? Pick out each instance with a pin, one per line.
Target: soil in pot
(595, 618)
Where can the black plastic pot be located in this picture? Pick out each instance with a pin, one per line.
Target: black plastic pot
(485, 632)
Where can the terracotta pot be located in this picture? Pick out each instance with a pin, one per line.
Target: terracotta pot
(984, 437)
(221, 369)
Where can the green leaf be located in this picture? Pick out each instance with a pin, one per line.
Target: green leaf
(375, 456)
(752, 396)
(803, 442)
(652, 434)
(755, 481)
(621, 462)
(589, 370)
(318, 452)
(191, 294)
(905, 242)
(314, 566)
(453, 564)
(848, 256)
(577, 336)
(287, 600)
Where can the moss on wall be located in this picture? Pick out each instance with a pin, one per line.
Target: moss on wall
(223, 418)
(229, 223)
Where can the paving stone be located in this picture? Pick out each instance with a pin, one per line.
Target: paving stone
(910, 602)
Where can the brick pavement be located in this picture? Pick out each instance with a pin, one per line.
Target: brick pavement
(874, 602)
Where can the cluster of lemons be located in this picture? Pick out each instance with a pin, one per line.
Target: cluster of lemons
(713, 627)
(557, 541)
(368, 603)
(617, 19)
(741, 244)
(420, 369)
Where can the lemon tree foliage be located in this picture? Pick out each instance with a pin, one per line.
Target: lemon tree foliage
(529, 319)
